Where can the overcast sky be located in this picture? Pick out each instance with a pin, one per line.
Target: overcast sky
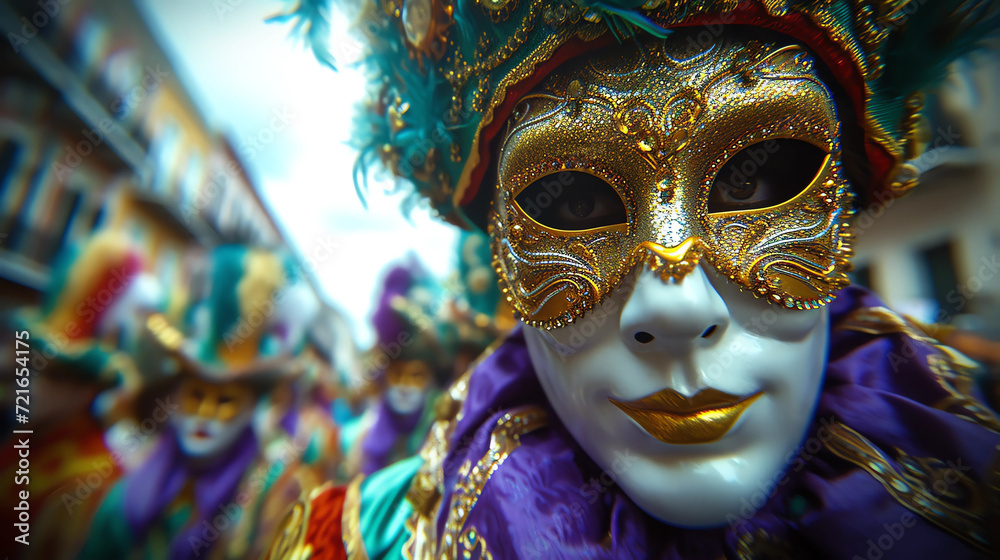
(242, 71)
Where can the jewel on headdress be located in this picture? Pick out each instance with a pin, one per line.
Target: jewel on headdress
(417, 21)
(424, 25)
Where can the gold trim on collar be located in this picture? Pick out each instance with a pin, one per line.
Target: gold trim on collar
(426, 492)
(935, 490)
(351, 522)
(951, 368)
(289, 540)
(428, 484)
(505, 438)
(882, 321)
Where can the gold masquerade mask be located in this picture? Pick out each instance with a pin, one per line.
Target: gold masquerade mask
(214, 402)
(664, 154)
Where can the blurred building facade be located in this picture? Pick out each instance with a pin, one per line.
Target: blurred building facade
(935, 254)
(97, 132)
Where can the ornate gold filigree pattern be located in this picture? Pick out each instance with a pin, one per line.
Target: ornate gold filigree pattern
(425, 25)
(873, 19)
(658, 126)
(428, 484)
(499, 10)
(761, 545)
(472, 545)
(505, 438)
(459, 541)
(670, 264)
(289, 542)
(353, 542)
(935, 490)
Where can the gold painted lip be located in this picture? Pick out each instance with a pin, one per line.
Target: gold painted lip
(674, 418)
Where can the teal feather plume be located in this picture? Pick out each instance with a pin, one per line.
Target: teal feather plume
(223, 298)
(311, 19)
(624, 21)
(934, 34)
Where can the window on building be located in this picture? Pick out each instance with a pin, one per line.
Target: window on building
(97, 218)
(216, 211)
(861, 276)
(44, 238)
(194, 175)
(939, 265)
(164, 156)
(90, 41)
(122, 75)
(10, 150)
(24, 231)
(69, 205)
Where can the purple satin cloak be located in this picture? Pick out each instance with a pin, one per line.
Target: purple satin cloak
(151, 488)
(389, 426)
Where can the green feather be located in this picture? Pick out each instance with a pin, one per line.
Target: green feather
(627, 20)
(311, 20)
(934, 34)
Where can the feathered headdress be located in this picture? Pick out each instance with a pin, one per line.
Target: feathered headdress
(252, 323)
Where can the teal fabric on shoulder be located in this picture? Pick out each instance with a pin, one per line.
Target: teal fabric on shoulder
(352, 427)
(314, 451)
(109, 536)
(418, 436)
(384, 509)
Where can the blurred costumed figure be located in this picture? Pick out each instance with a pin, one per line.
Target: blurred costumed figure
(206, 488)
(407, 362)
(69, 365)
(428, 334)
(669, 189)
(308, 421)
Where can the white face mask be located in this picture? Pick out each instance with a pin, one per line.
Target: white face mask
(409, 382)
(692, 468)
(404, 399)
(207, 438)
(211, 417)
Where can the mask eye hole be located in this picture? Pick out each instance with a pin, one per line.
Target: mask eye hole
(572, 201)
(765, 174)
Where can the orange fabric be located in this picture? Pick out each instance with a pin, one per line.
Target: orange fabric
(325, 531)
